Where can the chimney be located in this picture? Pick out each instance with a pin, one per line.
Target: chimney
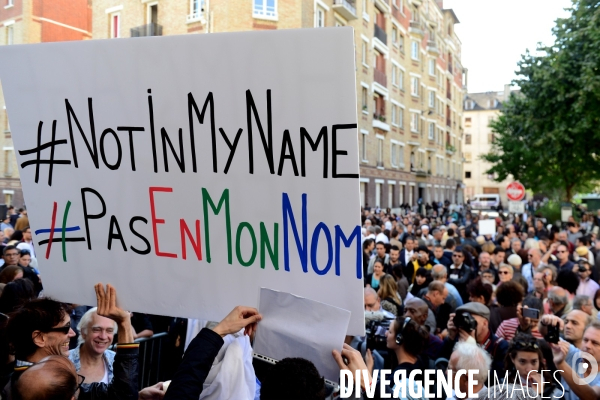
(506, 92)
(440, 3)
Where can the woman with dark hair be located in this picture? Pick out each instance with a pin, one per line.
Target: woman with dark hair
(15, 238)
(401, 281)
(508, 296)
(14, 294)
(422, 280)
(525, 363)
(372, 280)
(368, 246)
(480, 291)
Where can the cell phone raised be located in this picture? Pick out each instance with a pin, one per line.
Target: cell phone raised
(532, 313)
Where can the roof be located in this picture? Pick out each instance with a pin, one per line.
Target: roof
(486, 100)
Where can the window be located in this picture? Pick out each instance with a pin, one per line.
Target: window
(431, 99)
(115, 25)
(10, 38)
(467, 139)
(432, 67)
(401, 42)
(414, 86)
(468, 157)
(8, 163)
(400, 156)
(365, 97)
(379, 152)
(414, 50)
(364, 146)
(400, 117)
(320, 18)
(431, 130)
(394, 114)
(400, 79)
(491, 138)
(414, 122)
(265, 9)
(9, 3)
(468, 121)
(467, 174)
(394, 75)
(196, 10)
(364, 54)
(394, 35)
(394, 154)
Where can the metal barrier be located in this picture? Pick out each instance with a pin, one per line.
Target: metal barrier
(150, 359)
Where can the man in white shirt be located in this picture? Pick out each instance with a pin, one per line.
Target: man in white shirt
(586, 286)
(381, 237)
(529, 269)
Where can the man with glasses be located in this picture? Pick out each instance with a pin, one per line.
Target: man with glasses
(10, 256)
(562, 255)
(42, 328)
(528, 270)
(459, 273)
(586, 286)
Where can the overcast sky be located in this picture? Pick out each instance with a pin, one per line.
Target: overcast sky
(494, 34)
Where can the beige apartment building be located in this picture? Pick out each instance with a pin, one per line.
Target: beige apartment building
(480, 109)
(33, 21)
(409, 78)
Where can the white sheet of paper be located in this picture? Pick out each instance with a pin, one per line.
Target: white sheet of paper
(293, 326)
(487, 227)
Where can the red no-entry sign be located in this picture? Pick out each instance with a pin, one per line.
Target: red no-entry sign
(515, 191)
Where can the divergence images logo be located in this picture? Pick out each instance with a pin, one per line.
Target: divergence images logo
(580, 364)
(63, 239)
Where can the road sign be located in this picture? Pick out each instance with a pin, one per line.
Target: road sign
(516, 207)
(515, 191)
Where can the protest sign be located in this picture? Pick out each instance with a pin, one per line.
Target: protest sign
(189, 171)
(487, 226)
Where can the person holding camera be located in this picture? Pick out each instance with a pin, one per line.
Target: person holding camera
(471, 323)
(569, 360)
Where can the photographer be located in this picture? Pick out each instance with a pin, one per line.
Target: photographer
(470, 323)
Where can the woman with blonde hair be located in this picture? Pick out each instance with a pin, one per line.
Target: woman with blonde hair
(388, 293)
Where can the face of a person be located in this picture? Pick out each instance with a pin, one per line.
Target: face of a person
(587, 307)
(499, 257)
(526, 361)
(27, 235)
(438, 252)
(420, 279)
(394, 255)
(505, 243)
(378, 268)
(591, 342)
(409, 245)
(424, 256)
(575, 325)
(371, 247)
(584, 272)
(60, 340)
(380, 250)
(371, 302)
(533, 256)
(562, 253)
(484, 260)
(390, 337)
(562, 236)
(516, 246)
(487, 277)
(412, 312)
(11, 257)
(100, 334)
(25, 260)
(458, 258)
(505, 275)
(538, 281)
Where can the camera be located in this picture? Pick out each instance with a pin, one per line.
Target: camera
(465, 321)
(375, 332)
(552, 335)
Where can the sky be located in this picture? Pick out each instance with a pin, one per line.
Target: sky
(495, 33)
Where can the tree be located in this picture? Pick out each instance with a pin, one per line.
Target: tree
(548, 135)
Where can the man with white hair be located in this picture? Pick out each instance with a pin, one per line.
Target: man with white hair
(91, 357)
(469, 356)
(425, 234)
(528, 270)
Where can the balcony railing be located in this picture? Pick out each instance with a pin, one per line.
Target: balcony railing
(345, 8)
(195, 17)
(380, 34)
(151, 29)
(448, 122)
(380, 77)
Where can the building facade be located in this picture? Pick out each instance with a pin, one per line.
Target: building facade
(480, 109)
(409, 78)
(34, 21)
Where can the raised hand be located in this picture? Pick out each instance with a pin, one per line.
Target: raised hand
(240, 317)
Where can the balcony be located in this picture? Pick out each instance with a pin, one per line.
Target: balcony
(420, 173)
(432, 47)
(416, 28)
(194, 17)
(380, 34)
(379, 122)
(450, 150)
(345, 8)
(380, 77)
(147, 30)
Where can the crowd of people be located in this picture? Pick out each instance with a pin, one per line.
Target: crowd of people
(520, 306)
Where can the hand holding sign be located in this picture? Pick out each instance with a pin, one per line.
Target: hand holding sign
(240, 317)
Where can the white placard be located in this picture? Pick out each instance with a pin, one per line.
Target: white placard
(288, 330)
(189, 171)
(487, 226)
(566, 213)
(516, 207)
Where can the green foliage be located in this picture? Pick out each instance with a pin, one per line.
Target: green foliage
(548, 135)
(550, 211)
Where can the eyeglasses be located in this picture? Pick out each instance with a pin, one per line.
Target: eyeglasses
(504, 272)
(521, 345)
(457, 255)
(11, 254)
(561, 251)
(62, 329)
(81, 379)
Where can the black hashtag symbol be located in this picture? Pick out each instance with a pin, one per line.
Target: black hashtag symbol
(51, 162)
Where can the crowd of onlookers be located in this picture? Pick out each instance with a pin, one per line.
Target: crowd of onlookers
(520, 306)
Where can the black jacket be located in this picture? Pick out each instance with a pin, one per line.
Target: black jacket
(191, 374)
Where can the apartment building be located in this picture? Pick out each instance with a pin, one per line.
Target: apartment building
(34, 21)
(409, 78)
(480, 109)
